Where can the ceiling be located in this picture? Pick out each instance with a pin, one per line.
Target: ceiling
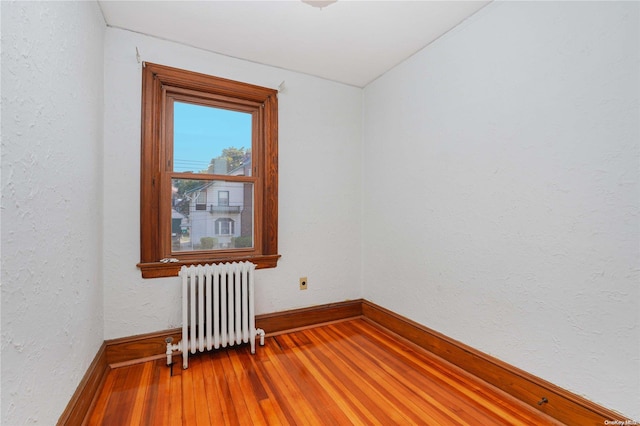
(349, 41)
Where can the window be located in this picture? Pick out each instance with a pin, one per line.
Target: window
(223, 198)
(224, 226)
(209, 172)
(201, 200)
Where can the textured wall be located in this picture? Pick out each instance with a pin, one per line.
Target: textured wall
(52, 89)
(501, 197)
(319, 191)
(500, 206)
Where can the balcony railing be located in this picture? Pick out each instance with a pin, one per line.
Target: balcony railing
(224, 209)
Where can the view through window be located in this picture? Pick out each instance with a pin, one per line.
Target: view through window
(211, 214)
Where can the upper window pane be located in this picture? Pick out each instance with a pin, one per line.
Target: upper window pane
(211, 140)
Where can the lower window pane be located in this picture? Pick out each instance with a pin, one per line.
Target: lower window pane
(211, 215)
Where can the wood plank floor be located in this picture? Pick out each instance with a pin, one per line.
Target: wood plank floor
(349, 372)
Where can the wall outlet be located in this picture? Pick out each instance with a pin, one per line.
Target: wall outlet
(303, 283)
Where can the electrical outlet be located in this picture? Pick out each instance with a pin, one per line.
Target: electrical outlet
(303, 283)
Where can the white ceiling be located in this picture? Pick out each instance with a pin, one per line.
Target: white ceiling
(349, 41)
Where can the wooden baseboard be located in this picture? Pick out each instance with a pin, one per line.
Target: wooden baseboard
(129, 349)
(86, 392)
(562, 404)
(314, 315)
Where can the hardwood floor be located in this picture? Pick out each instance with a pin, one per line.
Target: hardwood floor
(349, 372)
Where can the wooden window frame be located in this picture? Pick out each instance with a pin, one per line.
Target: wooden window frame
(159, 82)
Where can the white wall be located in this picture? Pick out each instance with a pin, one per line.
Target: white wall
(509, 148)
(500, 168)
(52, 93)
(319, 192)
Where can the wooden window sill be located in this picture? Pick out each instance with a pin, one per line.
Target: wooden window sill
(160, 269)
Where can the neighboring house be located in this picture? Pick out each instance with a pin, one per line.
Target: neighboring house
(222, 210)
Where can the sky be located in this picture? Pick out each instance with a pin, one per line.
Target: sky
(202, 132)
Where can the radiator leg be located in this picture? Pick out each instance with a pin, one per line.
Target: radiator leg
(169, 352)
(260, 332)
(252, 341)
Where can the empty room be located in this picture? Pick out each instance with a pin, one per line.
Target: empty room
(412, 212)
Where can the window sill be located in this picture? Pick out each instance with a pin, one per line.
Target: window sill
(159, 269)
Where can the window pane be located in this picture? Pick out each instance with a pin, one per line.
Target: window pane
(211, 140)
(211, 215)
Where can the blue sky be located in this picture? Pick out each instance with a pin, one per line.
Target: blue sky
(201, 133)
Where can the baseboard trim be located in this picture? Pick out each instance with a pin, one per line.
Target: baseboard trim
(129, 349)
(298, 318)
(87, 391)
(562, 405)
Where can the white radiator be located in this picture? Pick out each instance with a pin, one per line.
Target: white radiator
(217, 308)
